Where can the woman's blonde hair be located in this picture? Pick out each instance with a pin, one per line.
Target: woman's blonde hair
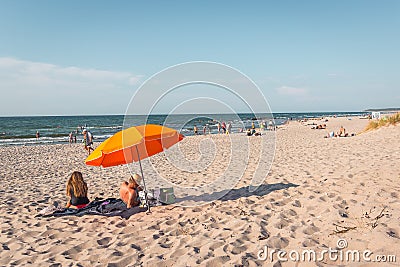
(77, 184)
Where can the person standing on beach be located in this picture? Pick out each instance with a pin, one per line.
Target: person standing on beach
(223, 126)
(204, 129)
(71, 137)
(37, 135)
(87, 140)
(219, 127)
(229, 128)
(271, 125)
(195, 130)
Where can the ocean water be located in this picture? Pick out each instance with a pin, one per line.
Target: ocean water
(56, 129)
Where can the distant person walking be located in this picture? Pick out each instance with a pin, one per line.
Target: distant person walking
(229, 128)
(271, 125)
(71, 137)
(37, 135)
(262, 125)
(87, 140)
(223, 126)
(219, 127)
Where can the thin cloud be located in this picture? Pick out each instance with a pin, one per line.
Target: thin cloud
(48, 83)
(291, 91)
(26, 69)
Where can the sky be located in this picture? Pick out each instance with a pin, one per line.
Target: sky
(91, 57)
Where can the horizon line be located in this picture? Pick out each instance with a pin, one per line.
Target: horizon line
(166, 114)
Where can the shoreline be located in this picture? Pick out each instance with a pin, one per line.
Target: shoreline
(55, 129)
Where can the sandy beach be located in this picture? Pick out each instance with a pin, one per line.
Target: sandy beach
(318, 190)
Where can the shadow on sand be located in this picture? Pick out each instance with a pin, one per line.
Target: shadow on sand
(234, 194)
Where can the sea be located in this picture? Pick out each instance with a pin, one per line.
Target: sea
(21, 131)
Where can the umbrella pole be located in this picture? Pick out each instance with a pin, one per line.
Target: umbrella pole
(144, 183)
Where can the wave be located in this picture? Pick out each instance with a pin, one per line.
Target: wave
(28, 136)
(45, 140)
(106, 127)
(102, 137)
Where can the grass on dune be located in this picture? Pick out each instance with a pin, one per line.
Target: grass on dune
(385, 121)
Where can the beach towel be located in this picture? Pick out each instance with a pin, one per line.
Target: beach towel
(104, 207)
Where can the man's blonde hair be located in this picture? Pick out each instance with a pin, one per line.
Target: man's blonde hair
(136, 178)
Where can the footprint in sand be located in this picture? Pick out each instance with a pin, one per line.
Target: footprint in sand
(117, 253)
(218, 261)
(291, 212)
(121, 224)
(310, 243)
(154, 227)
(164, 244)
(264, 234)
(311, 230)
(393, 233)
(209, 255)
(277, 242)
(293, 228)
(331, 195)
(138, 248)
(296, 203)
(238, 250)
(104, 241)
(177, 253)
(281, 224)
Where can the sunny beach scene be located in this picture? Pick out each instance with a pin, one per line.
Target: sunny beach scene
(199, 133)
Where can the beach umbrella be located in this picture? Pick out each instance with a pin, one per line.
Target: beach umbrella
(132, 145)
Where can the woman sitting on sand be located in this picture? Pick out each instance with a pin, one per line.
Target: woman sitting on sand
(129, 192)
(77, 191)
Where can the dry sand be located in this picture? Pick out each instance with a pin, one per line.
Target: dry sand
(313, 184)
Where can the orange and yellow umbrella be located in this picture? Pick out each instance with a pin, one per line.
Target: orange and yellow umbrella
(134, 144)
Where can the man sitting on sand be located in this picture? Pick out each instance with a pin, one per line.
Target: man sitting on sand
(129, 191)
(342, 132)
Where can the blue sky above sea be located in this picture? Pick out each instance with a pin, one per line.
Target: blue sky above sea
(89, 57)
